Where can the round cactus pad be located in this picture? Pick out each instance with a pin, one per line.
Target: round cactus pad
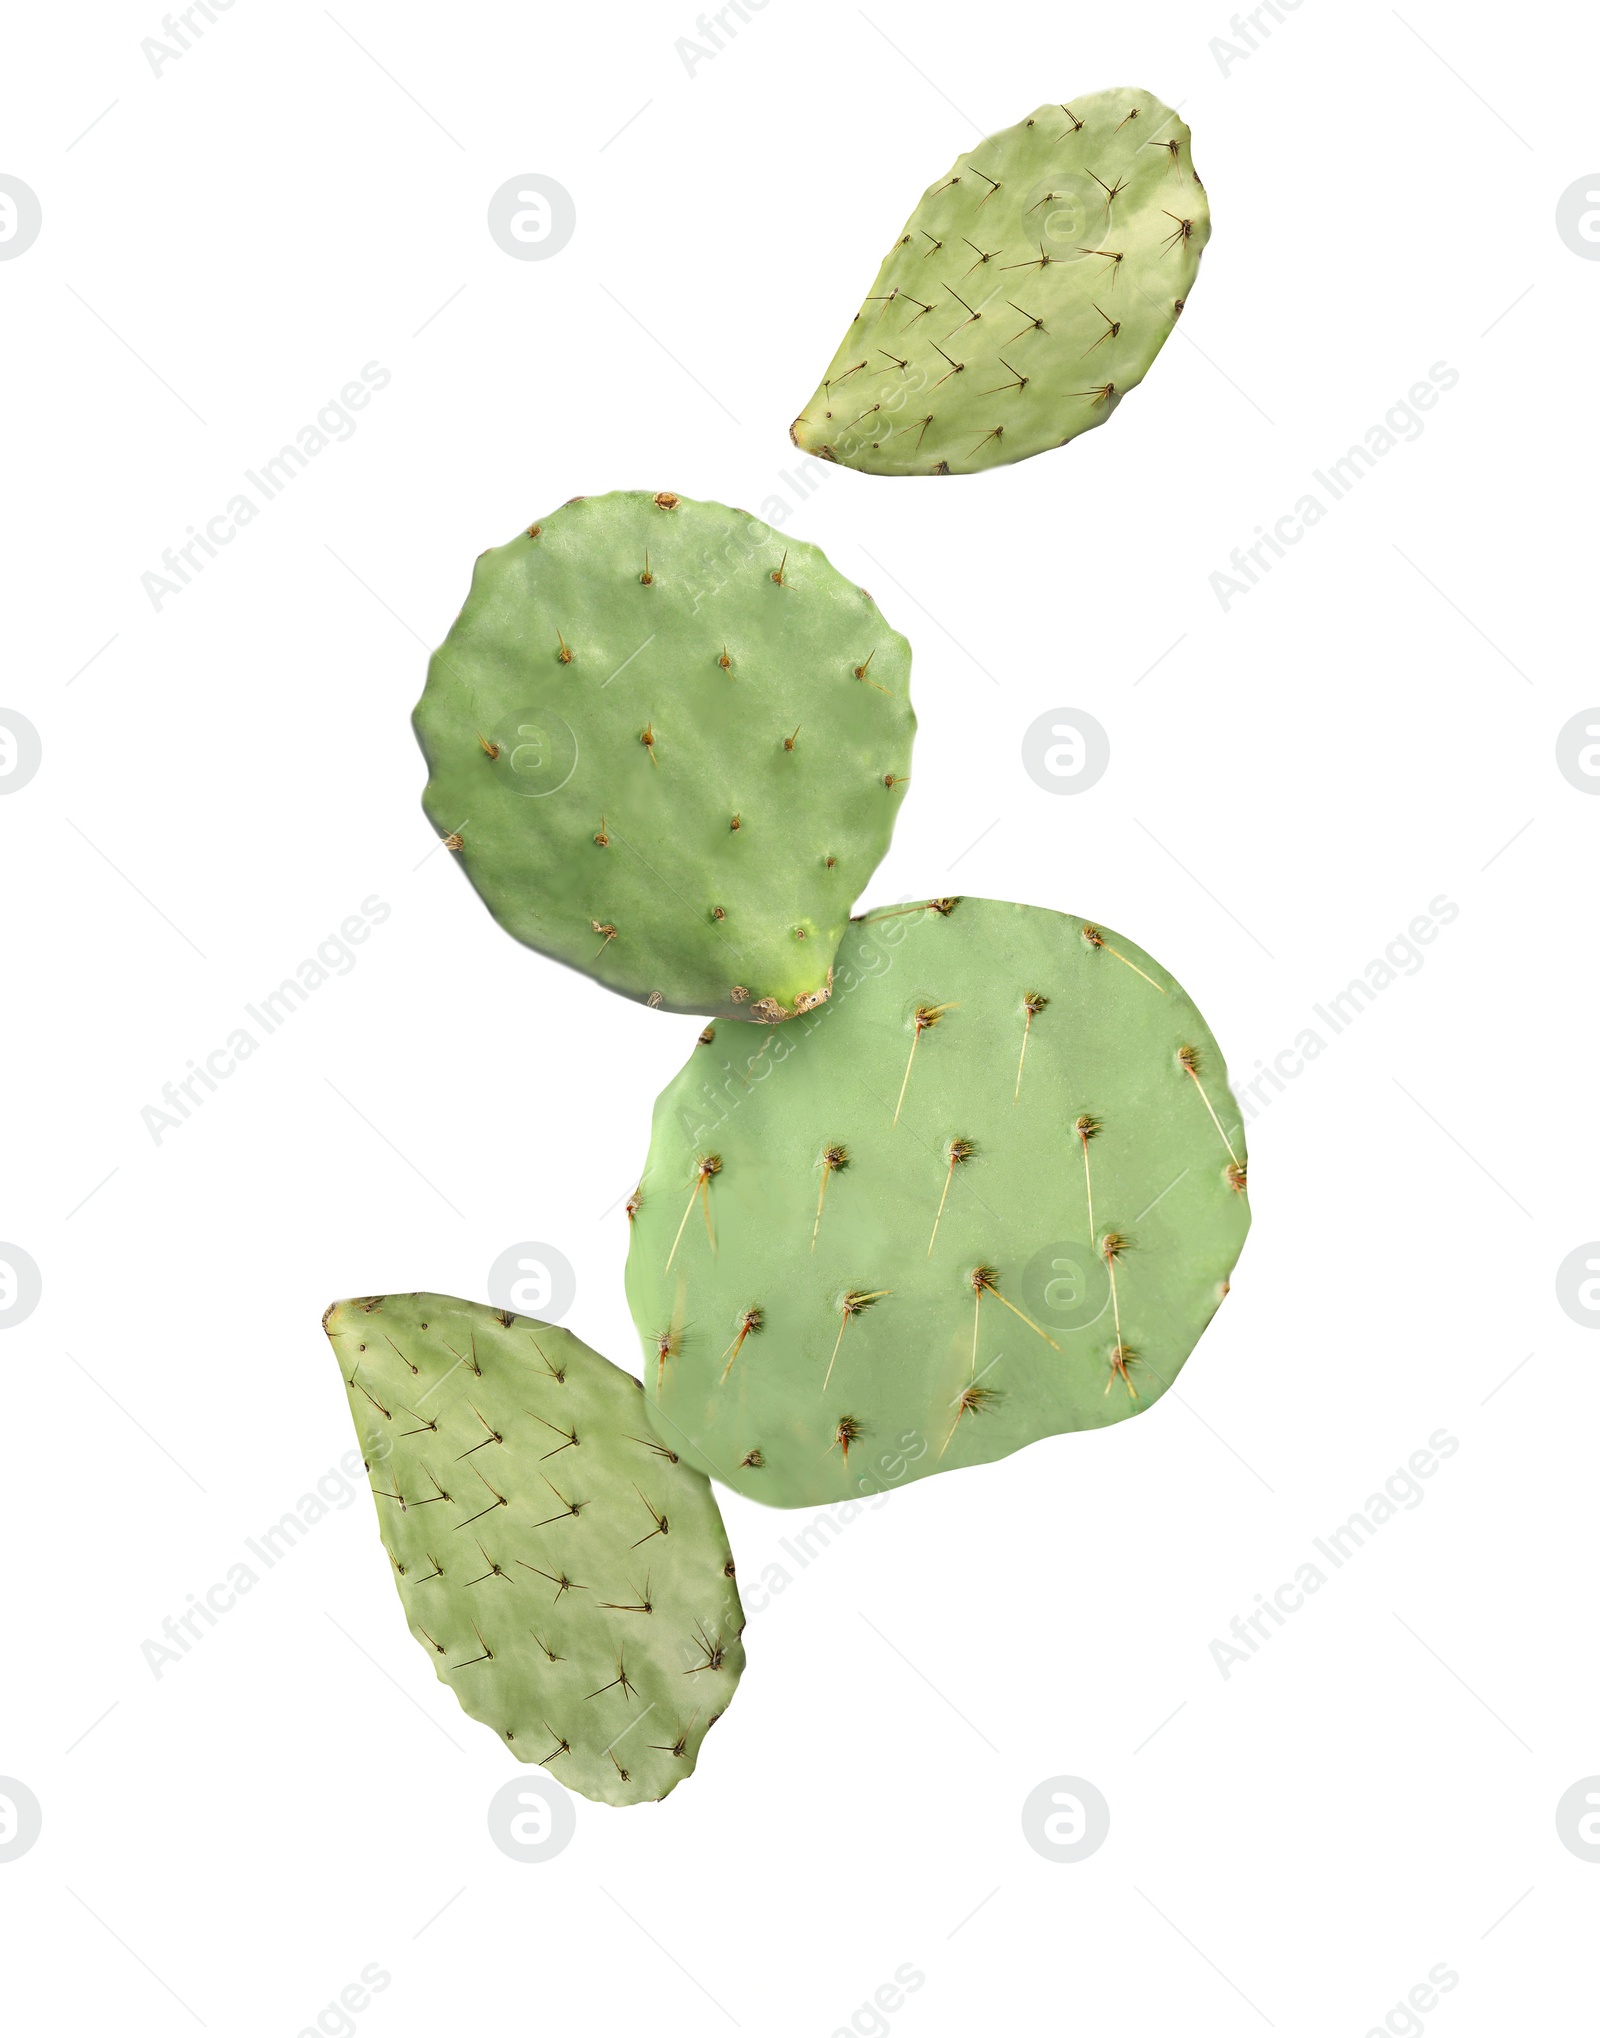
(1030, 290)
(567, 1575)
(668, 745)
(991, 1191)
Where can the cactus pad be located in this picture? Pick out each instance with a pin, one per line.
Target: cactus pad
(992, 1191)
(568, 1576)
(1027, 294)
(668, 747)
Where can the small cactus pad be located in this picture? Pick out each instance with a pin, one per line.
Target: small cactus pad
(1030, 290)
(668, 746)
(568, 1576)
(992, 1191)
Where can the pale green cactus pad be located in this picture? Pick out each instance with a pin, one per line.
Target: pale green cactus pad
(667, 745)
(992, 1191)
(1027, 294)
(567, 1575)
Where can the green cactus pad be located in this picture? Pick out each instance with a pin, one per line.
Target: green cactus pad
(992, 1191)
(568, 1576)
(1027, 294)
(668, 746)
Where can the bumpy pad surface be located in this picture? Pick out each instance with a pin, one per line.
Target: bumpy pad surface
(569, 1578)
(1033, 1247)
(1030, 290)
(668, 746)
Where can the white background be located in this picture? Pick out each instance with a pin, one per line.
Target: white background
(1374, 1791)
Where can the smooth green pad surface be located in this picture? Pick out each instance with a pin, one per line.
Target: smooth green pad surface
(1112, 1046)
(568, 1576)
(1030, 290)
(712, 868)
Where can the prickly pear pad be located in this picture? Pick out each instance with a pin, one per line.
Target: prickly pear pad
(1027, 294)
(992, 1191)
(567, 1575)
(668, 745)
